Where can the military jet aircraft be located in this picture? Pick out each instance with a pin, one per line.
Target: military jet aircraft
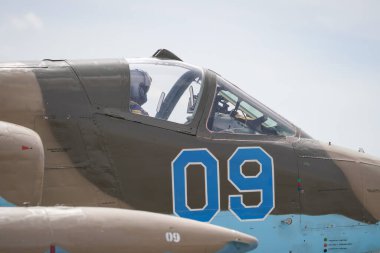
(160, 135)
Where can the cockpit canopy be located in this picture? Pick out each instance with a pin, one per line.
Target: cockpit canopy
(175, 90)
(173, 93)
(235, 112)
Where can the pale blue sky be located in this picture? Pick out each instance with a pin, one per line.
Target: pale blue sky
(315, 62)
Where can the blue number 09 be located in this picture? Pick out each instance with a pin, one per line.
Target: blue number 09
(180, 166)
(263, 183)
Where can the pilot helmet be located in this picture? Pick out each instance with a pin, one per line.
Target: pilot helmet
(140, 84)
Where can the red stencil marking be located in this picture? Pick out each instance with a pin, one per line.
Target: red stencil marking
(23, 148)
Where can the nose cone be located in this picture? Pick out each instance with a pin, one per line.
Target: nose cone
(204, 237)
(246, 239)
(241, 243)
(21, 165)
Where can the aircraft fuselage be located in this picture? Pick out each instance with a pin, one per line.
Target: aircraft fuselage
(293, 193)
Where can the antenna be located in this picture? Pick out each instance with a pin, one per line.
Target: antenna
(165, 54)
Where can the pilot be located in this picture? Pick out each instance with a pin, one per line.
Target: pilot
(140, 84)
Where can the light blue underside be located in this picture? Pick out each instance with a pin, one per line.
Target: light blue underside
(5, 203)
(307, 233)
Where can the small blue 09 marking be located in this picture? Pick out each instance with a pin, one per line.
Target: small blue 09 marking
(263, 182)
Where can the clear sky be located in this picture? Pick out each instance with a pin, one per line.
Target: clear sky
(317, 63)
